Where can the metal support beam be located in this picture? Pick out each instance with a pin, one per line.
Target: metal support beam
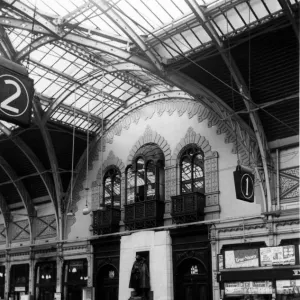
(135, 38)
(287, 8)
(53, 162)
(22, 191)
(5, 211)
(6, 44)
(32, 14)
(237, 77)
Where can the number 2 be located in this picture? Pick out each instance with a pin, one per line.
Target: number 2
(11, 98)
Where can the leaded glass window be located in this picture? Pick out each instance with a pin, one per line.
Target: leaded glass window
(112, 188)
(192, 170)
(145, 177)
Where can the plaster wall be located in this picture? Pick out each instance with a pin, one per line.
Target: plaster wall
(172, 128)
(160, 261)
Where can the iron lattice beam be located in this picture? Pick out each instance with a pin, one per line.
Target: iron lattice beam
(5, 211)
(237, 77)
(287, 8)
(6, 44)
(135, 38)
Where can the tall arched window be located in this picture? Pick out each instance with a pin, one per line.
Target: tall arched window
(145, 178)
(112, 188)
(192, 170)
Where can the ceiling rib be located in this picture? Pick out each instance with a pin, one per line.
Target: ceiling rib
(286, 6)
(5, 211)
(6, 44)
(118, 20)
(33, 15)
(236, 75)
(22, 191)
(52, 159)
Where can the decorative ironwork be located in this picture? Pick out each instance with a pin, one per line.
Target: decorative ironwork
(145, 214)
(289, 183)
(188, 208)
(106, 221)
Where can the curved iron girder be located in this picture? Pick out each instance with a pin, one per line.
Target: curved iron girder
(32, 14)
(118, 21)
(53, 162)
(237, 77)
(22, 191)
(6, 43)
(39, 168)
(5, 211)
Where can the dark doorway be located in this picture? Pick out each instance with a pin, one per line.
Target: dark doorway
(107, 283)
(191, 280)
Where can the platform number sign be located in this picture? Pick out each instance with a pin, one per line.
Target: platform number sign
(16, 92)
(244, 184)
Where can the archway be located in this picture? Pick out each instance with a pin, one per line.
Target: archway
(107, 287)
(192, 281)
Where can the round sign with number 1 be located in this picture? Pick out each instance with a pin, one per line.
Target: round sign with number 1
(14, 99)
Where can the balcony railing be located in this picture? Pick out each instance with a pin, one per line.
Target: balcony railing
(188, 208)
(144, 214)
(106, 221)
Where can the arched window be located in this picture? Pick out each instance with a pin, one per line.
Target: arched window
(145, 178)
(192, 170)
(112, 188)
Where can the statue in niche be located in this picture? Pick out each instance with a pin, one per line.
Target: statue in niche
(139, 279)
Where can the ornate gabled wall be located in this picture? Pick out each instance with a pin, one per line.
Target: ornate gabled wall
(170, 129)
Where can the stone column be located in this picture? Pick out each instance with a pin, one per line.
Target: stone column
(59, 267)
(170, 188)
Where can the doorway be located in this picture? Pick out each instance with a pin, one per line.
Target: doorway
(191, 281)
(107, 287)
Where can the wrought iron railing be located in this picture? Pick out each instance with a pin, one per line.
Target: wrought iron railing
(106, 221)
(188, 207)
(144, 214)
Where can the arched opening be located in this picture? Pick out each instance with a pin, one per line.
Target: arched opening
(191, 281)
(107, 285)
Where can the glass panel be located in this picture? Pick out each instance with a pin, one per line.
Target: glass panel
(151, 180)
(107, 191)
(198, 184)
(186, 174)
(117, 191)
(140, 182)
(130, 186)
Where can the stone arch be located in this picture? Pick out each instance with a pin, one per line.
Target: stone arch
(211, 170)
(151, 136)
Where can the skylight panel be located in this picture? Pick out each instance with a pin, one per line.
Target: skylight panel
(273, 6)
(246, 13)
(259, 9)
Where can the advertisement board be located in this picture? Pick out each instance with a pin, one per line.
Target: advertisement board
(241, 258)
(248, 288)
(276, 256)
(288, 286)
(220, 262)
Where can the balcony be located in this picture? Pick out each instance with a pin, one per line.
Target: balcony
(144, 214)
(187, 208)
(106, 221)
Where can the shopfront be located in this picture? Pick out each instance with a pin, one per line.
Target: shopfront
(19, 279)
(262, 273)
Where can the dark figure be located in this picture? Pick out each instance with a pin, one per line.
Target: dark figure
(139, 278)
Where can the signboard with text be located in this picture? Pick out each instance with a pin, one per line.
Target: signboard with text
(288, 286)
(241, 258)
(248, 288)
(276, 256)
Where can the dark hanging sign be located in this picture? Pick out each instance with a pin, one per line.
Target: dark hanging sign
(16, 93)
(244, 184)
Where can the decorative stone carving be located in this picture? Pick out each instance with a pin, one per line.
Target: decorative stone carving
(151, 136)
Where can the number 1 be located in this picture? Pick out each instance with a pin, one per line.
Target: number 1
(247, 185)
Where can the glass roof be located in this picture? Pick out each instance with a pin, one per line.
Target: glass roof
(93, 61)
